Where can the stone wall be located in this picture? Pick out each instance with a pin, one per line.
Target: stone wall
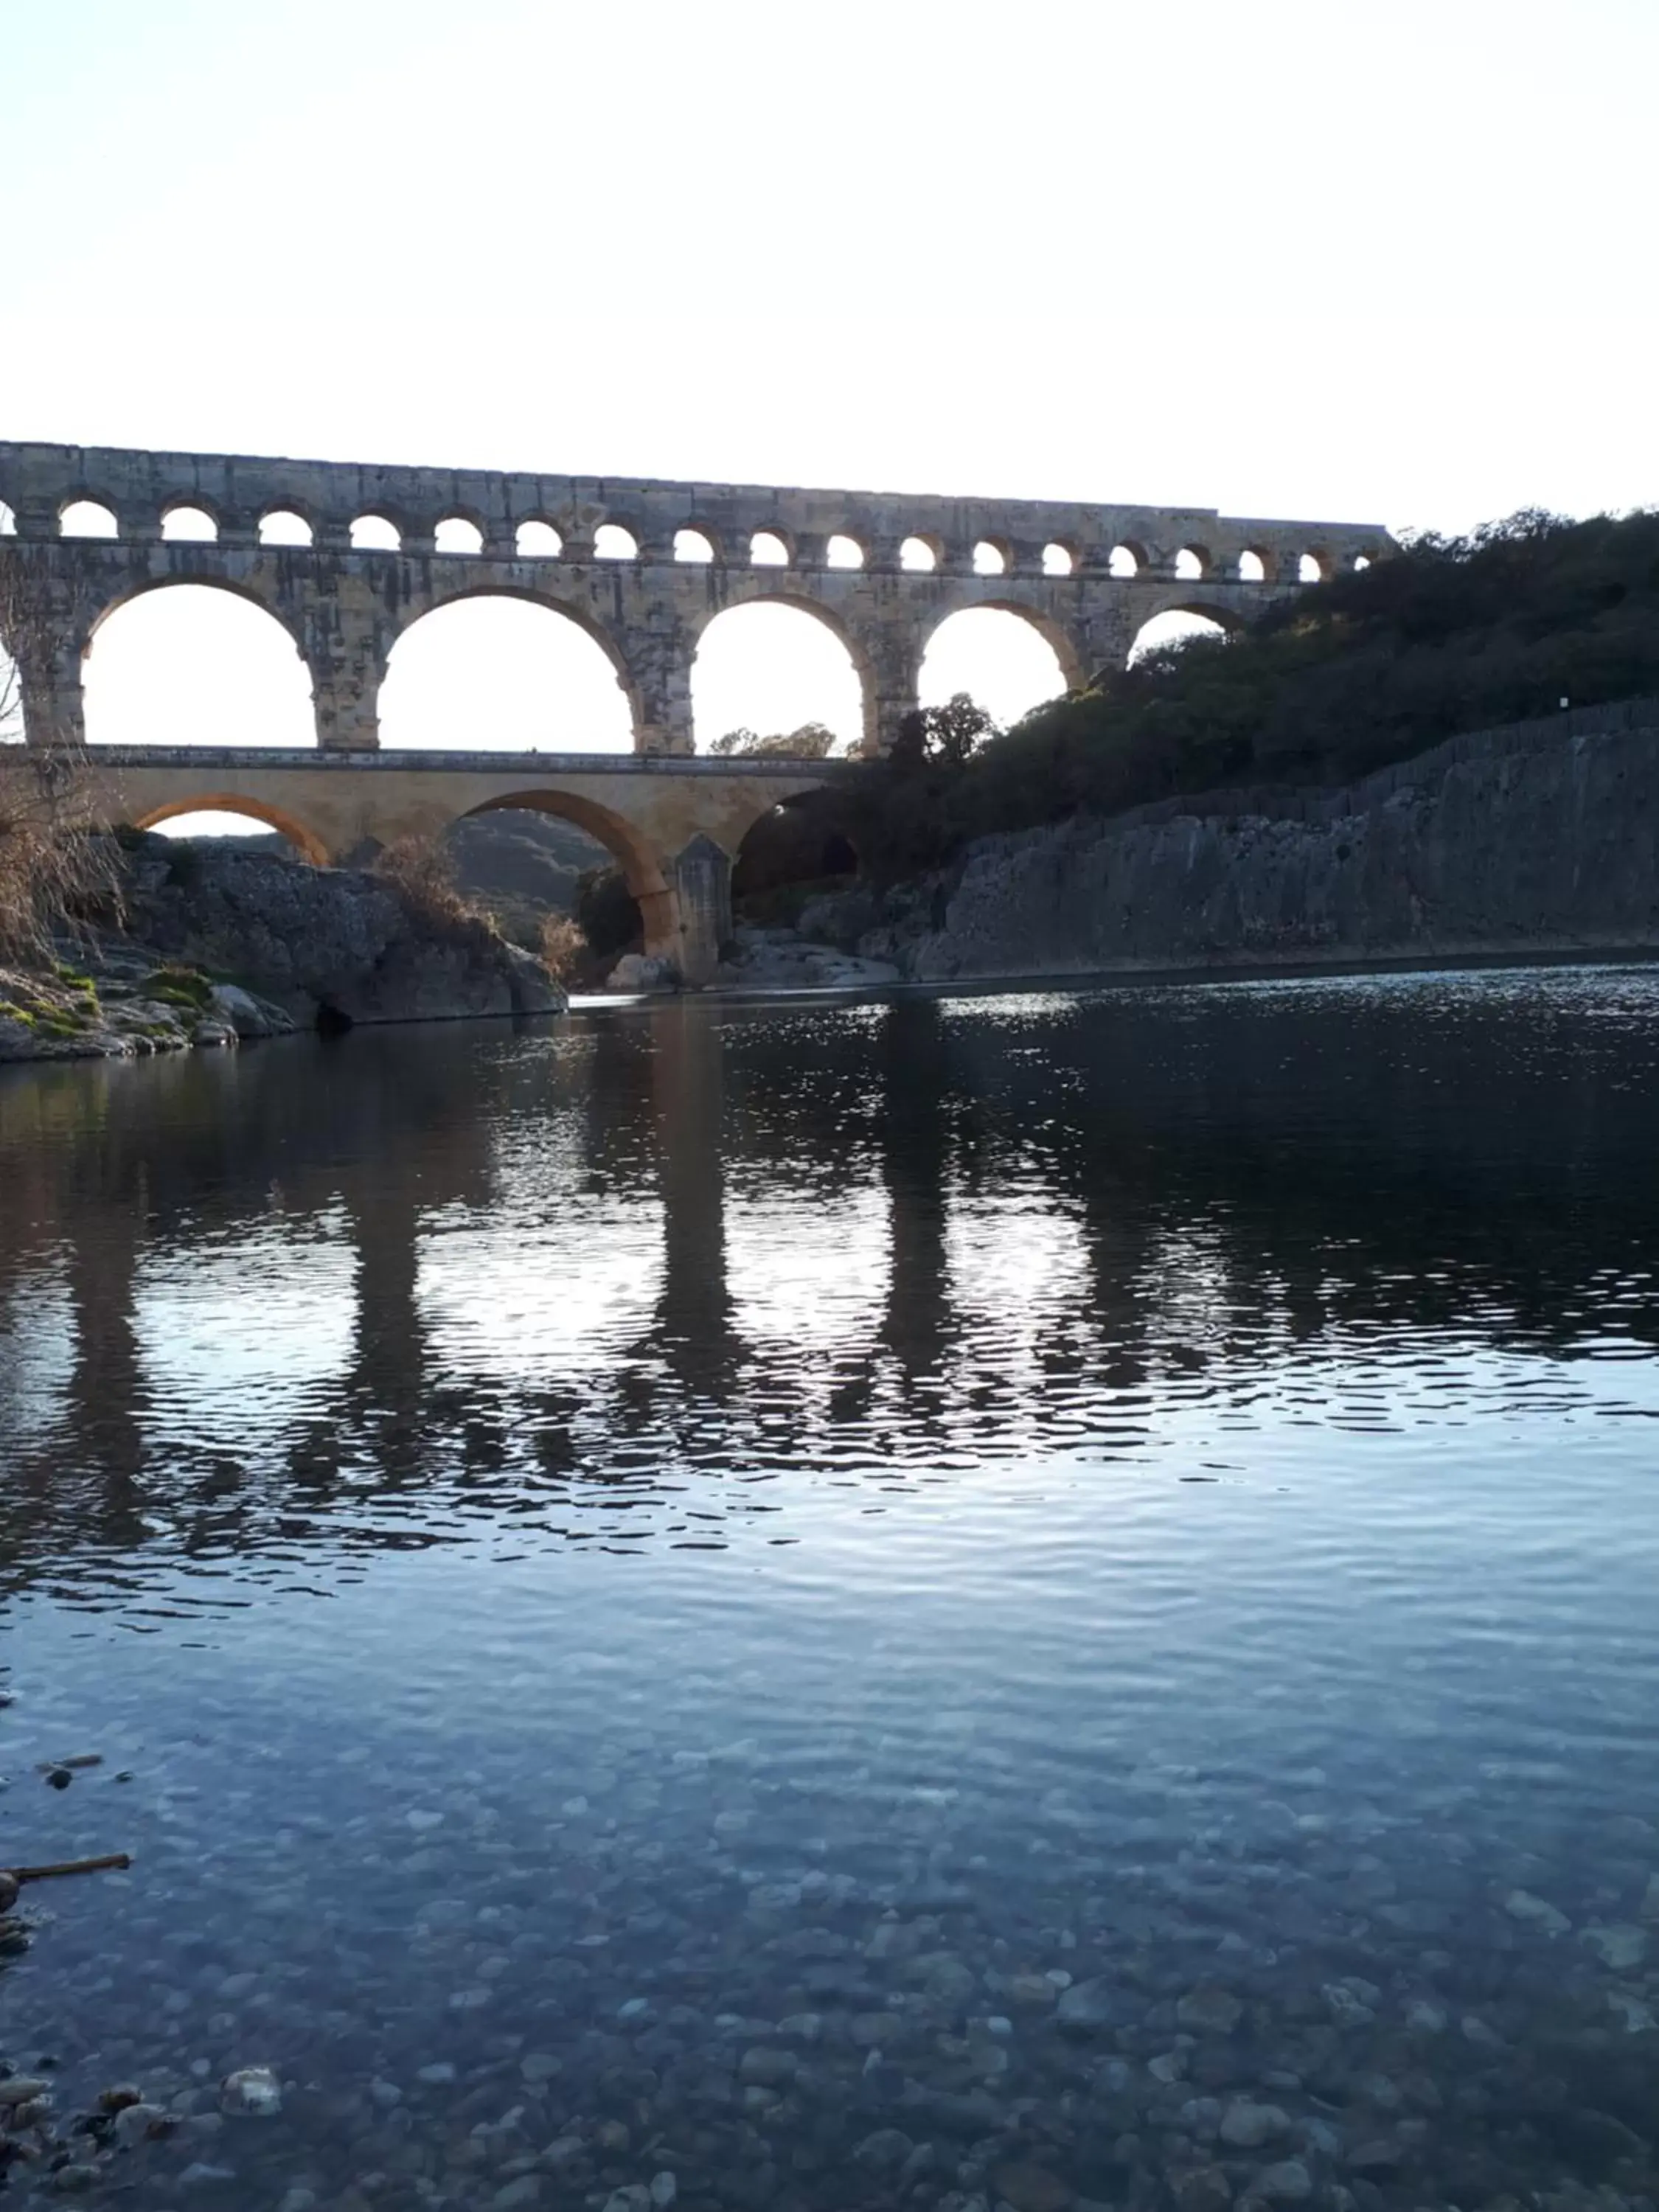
(1539, 838)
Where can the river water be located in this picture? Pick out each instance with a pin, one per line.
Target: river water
(1044, 1599)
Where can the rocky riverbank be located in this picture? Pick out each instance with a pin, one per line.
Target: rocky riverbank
(216, 944)
(1539, 838)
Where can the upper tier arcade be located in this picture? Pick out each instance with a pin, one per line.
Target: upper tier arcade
(348, 555)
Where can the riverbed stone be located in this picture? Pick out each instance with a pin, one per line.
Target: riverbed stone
(254, 2093)
(1209, 2009)
(1289, 2182)
(1351, 2003)
(518, 2194)
(767, 2066)
(1619, 1946)
(885, 2150)
(75, 2179)
(1029, 2187)
(1536, 1912)
(1097, 2002)
(1200, 2188)
(1247, 2125)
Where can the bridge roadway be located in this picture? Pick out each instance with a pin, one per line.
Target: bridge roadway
(674, 825)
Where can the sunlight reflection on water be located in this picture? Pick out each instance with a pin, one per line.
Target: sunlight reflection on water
(751, 1515)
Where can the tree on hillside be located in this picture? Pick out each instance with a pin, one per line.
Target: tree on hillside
(812, 741)
(948, 734)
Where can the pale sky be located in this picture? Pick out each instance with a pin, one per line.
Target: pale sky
(1338, 261)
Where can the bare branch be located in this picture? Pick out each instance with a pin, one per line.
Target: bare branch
(55, 871)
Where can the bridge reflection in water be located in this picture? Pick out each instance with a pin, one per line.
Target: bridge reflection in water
(617, 1276)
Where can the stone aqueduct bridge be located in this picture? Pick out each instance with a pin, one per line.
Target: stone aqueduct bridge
(1086, 576)
(673, 825)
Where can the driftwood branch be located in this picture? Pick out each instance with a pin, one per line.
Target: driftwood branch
(70, 1866)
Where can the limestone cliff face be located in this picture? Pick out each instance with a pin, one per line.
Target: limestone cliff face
(1539, 838)
(329, 942)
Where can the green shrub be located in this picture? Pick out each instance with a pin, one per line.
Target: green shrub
(178, 986)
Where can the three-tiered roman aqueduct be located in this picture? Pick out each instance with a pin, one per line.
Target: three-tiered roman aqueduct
(641, 566)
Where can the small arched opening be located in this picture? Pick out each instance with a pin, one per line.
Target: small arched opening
(1058, 560)
(188, 526)
(1252, 567)
(227, 818)
(1310, 569)
(1191, 562)
(87, 517)
(613, 543)
(1004, 658)
(921, 556)
(499, 672)
(195, 664)
(8, 521)
(694, 546)
(1125, 560)
(767, 551)
(773, 675)
(283, 526)
(1361, 560)
(990, 559)
(456, 533)
(538, 541)
(842, 551)
(375, 533)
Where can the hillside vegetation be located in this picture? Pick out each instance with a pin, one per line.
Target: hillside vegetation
(1452, 634)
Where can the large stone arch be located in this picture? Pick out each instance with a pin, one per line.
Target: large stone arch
(249, 589)
(1185, 600)
(1048, 626)
(90, 676)
(298, 833)
(641, 864)
(1206, 608)
(757, 587)
(449, 591)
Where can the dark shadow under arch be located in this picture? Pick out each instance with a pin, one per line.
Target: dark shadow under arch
(790, 849)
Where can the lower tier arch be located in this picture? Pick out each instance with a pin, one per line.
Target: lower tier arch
(304, 838)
